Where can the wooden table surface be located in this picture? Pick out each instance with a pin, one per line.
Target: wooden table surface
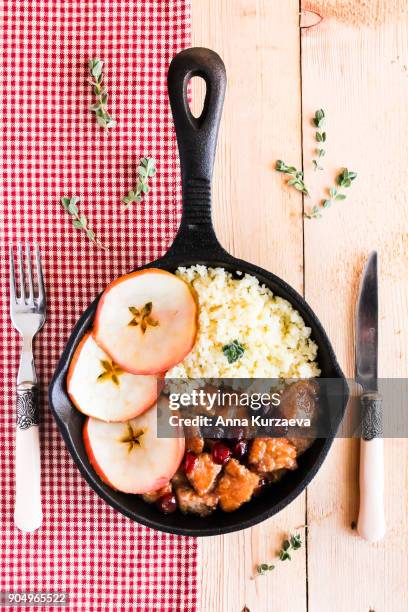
(354, 64)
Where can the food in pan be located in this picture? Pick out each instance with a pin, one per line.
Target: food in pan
(227, 473)
(275, 341)
(146, 321)
(101, 389)
(129, 456)
(200, 323)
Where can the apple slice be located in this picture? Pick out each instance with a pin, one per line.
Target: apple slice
(146, 321)
(99, 388)
(129, 457)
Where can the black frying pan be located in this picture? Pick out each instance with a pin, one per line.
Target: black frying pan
(196, 243)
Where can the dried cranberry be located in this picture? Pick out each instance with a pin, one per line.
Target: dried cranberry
(220, 453)
(189, 462)
(239, 450)
(167, 503)
(261, 485)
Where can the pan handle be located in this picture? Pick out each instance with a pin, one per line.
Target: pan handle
(197, 141)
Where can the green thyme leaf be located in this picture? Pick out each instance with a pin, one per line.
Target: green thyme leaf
(285, 544)
(264, 567)
(297, 176)
(295, 541)
(233, 351)
(95, 67)
(319, 117)
(73, 209)
(314, 213)
(280, 166)
(345, 178)
(284, 555)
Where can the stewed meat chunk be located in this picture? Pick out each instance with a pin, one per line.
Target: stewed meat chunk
(190, 501)
(195, 444)
(300, 400)
(269, 454)
(236, 486)
(203, 473)
(152, 496)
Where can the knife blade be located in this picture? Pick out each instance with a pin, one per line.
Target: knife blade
(367, 327)
(371, 519)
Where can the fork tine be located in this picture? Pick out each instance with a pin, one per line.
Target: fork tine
(41, 291)
(30, 275)
(21, 271)
(12, 277)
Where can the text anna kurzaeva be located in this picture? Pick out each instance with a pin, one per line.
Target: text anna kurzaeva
(222, 404)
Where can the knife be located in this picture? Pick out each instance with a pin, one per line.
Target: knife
(371, 519)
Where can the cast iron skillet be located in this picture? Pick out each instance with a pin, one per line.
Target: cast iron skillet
(196, 243)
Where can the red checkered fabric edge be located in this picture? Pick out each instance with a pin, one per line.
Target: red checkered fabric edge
(51, 147)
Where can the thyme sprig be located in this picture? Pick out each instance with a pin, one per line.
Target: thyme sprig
(318, 122)
(103, 118)
(145, 171)
(343, 180)
(294, 543)
(297, 180)
(233, 351)
(79, 220)
(289, 545)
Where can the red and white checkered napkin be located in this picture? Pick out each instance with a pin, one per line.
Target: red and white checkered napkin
(52, 147)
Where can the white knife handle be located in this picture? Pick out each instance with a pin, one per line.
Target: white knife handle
(27, 509)
(371, 519)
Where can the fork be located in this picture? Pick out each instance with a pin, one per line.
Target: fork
(27, 310)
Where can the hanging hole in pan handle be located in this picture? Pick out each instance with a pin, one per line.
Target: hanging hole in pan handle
(196, 136)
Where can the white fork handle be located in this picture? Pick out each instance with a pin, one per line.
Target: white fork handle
(27, 509)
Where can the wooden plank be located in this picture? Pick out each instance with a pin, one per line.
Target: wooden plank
(256, 219)
(359, 76)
